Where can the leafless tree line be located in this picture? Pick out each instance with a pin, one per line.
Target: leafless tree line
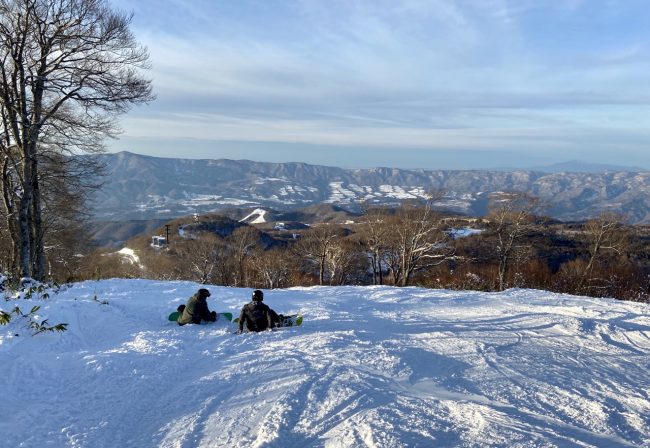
(414, 245)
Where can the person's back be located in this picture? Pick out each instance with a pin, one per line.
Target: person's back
(257, 316)
(197, 309)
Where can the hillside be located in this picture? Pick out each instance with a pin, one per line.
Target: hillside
(115, 233)
(371, 366)
(143, 187)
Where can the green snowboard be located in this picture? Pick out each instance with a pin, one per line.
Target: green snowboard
(175, 315)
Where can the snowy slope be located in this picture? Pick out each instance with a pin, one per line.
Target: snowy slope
(371, 366)
(258, 214)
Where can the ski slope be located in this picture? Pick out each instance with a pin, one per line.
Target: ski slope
(370, 367)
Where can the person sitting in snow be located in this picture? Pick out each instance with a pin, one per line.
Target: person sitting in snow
(256, 315)
(196, 309)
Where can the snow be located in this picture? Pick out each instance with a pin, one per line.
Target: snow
(369, 367)
(130, 255)
(263, 180)
(258, 213)
(464, 232)
(340, 194)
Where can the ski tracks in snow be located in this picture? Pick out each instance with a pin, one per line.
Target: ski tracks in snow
(370, 367)
(436, 375)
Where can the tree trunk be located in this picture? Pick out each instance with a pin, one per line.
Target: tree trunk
(24, 221)
(503, 267)
(321, 273)
(406, 278)
(10, 218)
(584, 279)
(373, 264)
(37, 223)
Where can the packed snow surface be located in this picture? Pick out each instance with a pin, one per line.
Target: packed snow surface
(369, 367)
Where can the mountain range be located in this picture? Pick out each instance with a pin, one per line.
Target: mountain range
(145, 187)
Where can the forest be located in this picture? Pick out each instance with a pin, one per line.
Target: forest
(410, 245)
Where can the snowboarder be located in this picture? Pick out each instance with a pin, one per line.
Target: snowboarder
(196, 309)
(256, 315)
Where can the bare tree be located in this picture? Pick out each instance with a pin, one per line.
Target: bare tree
(65, 229)
(604, 234)
(512, 217)
(345, 262)
(67, 251)
(315, 246)
(10, 197)
(416, 239)
(372, 236)
(201, 257)
(272, 267)
(69, 68)
(242, 241)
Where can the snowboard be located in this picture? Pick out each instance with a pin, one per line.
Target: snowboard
(290, 320)
(175, 315)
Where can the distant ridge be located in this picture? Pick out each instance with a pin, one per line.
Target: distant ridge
(577, 166)
(146, 187)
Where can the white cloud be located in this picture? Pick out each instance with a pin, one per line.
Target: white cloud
(424, 73)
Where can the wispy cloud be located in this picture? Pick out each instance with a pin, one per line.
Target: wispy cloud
(422, 73)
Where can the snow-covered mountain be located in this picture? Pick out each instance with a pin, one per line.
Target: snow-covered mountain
(370, 367)
(143, 187)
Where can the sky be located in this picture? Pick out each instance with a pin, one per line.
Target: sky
(453, 84)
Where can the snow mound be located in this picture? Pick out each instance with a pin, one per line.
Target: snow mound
(370, 367)
(130, 255)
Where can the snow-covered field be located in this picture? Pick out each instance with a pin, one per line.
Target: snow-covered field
(371, 366)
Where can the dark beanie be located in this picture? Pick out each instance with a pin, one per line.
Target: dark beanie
(204, 292)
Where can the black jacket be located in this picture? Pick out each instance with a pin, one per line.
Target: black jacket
(195, 311)
(257, 316)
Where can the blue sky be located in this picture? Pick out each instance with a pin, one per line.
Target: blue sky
(412, 83)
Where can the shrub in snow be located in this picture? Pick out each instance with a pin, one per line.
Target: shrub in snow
(28, 289)
(8, 285)
(32, 320)
(467, 281)
(27, 282)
